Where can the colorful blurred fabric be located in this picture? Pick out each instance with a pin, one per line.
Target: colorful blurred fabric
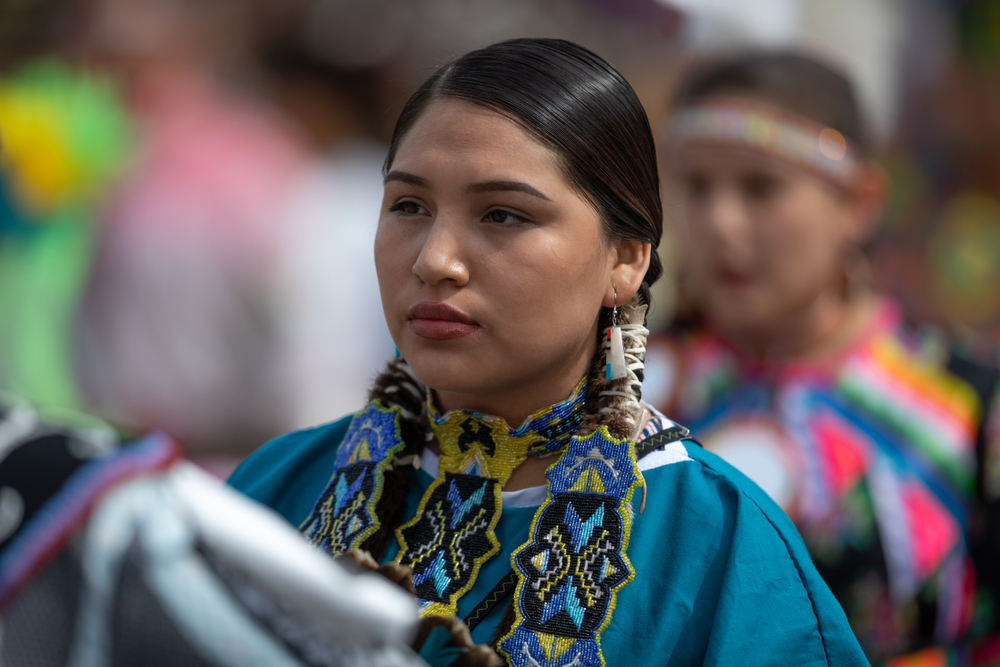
(64, 139)
(877, 454)
(177, 330)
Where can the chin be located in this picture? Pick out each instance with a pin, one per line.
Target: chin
(735, 319)
(446, 371)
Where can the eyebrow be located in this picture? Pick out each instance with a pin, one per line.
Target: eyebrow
(489, 186)
(405, 177)
(507, 186)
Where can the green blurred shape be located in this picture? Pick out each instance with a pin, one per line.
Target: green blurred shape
(65, 137)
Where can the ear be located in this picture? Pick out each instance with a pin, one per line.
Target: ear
(869, 196)
(626, 275)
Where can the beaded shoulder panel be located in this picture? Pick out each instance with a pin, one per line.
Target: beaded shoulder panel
(574, 564)
(344, 516)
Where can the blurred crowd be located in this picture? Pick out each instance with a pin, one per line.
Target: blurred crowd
(189, 191)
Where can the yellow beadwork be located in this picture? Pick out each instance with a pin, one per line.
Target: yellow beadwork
(554, 645)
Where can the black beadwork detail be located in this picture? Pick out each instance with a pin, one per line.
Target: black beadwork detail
(453, 531)
(567, 591)
(660, 439)
(560, 428)
(474, 431)
(333, 531)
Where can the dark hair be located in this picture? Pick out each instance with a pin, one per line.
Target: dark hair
(580, 106)
(787, 80)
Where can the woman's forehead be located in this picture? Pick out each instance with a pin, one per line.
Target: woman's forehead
(731, 161)
(455, 138)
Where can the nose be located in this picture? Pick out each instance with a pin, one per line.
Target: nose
(726, 217)
(442, 257)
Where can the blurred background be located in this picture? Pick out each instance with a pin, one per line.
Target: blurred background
(189, 188)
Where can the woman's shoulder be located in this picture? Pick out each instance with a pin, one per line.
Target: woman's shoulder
(731, 564)
(683, 475)
(288, 473)
(689, 486)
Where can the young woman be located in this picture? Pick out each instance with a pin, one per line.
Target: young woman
(508, 460)
(799, 375)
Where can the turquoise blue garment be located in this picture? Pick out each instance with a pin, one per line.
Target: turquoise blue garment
(722, 577)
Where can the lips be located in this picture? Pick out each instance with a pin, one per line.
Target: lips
(439, 321)
(732, 277)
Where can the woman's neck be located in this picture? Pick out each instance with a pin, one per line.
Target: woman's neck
(828, 324)
(514, 405)
(517, 401)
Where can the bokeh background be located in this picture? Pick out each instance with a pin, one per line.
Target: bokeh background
(189, 188)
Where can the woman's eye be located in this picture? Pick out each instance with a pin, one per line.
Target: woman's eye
(762, 187)
(696, 185)
(407, 208)
(503, 217)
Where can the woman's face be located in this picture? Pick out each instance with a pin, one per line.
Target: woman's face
(492, 268)
(760, 239)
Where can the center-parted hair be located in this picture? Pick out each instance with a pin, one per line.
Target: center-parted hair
(580, 106)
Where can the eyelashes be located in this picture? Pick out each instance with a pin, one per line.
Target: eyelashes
(407, 208)
(502, 217)
(496, 216)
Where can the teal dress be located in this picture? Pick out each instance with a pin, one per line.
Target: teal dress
(722, 577)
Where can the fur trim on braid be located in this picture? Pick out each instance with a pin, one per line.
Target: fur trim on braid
(615, 403)
(398, 386)
(471, 654)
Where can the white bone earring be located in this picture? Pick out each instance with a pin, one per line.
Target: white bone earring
(615, 368)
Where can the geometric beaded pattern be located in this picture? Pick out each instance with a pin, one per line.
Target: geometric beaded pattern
(451, 539)
(574, 564)
(344, 516)
(452, 533)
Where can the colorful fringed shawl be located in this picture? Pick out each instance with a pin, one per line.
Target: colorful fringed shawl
(873, 455)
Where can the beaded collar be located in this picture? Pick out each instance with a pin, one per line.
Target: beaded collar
(452, 534)
(572, 566)
(542, 433)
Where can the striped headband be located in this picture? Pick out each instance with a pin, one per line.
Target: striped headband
(759, 127)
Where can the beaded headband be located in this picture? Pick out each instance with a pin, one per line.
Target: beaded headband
(760, 127)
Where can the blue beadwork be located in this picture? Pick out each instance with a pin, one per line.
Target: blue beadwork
(344, 516)
(378, 427)
(452, 534)
(610, 458)
(527, 650)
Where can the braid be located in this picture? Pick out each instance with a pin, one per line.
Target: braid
(615, 403)
(397, 386)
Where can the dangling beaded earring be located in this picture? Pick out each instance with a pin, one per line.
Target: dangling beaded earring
(615, 368)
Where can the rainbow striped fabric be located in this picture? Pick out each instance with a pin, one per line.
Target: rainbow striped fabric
(872, 452)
